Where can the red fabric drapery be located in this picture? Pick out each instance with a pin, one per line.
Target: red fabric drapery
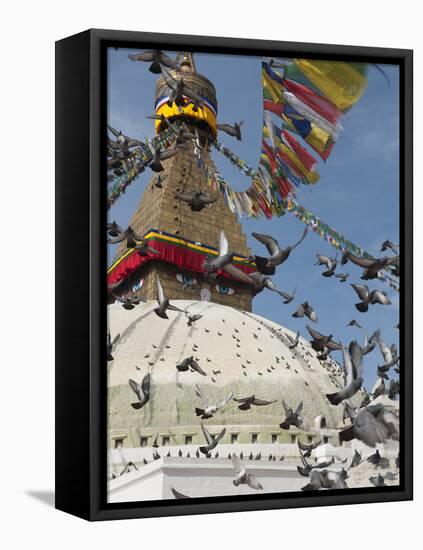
(181, 256)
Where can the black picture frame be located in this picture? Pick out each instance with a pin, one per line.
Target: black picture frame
(81, 263)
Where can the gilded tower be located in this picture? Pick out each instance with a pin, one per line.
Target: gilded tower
(184, 238)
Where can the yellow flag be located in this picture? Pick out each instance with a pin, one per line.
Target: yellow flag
(340, 82)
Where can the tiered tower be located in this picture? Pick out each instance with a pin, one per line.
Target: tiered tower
(161, 216)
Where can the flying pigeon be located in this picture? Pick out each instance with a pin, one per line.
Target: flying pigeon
(212, 440)
(308, 447)
(372, 424)
(326, 479)
(242, 477)
(213, 263)
(320, 342)
(247, 402)
(179, 92)
(164, 304)
(342, 277)
(292, 418)
(367, 297)
(306, 309)
(234, 131)
(129, 302)
(353, 374)
(278, 255)
(197, 200)
(156, 58)
(189, 363)
(210, 408)
(192, 318)
(372, 267)
(388, 244)
(353, 323)
(390, 355)
(142, 391)
(306, 468)
(158, 155)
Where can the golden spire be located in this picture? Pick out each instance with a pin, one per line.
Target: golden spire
(187, 63)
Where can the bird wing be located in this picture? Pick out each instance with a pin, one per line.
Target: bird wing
(219, 436)
(223, 244)
(115, 339)
(285, 406)
(311, 314)
(239, 467)
(284, 295)
(348, 367)
(303, 446)
(332, 345)
(228, 128)
(177, 494)
(242, 399)
(379, 297)
(226, 400)
(117, 239)
(194, 365)
(314, 333)
(254, 483)
(385, 350)
(260, 402)
(145, 385)
(173, 308)
(299, 408)
(323, 260)
(115, 132)
(170, 81)
(362, 291)
(167, 61)
(160, 293)
(186, 197)
(189, 92)
(135, 387)
(206, 433)
(201, 395)
(120, 299)
(300, 311)
(115, 227)
(304, 461)
(207, 200)
(270, 243)
(368, 429)
(356, 356)
(144, 56)
(303, 236)
(238, 274)
(362, 262)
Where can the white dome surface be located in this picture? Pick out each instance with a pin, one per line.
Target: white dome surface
(251, 353)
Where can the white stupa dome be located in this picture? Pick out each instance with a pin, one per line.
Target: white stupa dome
(240, 352)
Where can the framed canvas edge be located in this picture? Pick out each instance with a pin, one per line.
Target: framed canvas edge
(98, 509)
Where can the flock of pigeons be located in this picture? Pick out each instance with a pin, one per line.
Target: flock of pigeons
(371, 422)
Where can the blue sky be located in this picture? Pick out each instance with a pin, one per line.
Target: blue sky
(358, 191)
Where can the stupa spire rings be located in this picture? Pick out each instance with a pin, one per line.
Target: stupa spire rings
(204, 118)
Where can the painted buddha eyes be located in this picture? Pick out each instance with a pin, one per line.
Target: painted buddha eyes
(191, 281)
(186, 279)
(224, 289)
(138, 285)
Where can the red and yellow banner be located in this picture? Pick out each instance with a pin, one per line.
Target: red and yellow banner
(172, 249)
